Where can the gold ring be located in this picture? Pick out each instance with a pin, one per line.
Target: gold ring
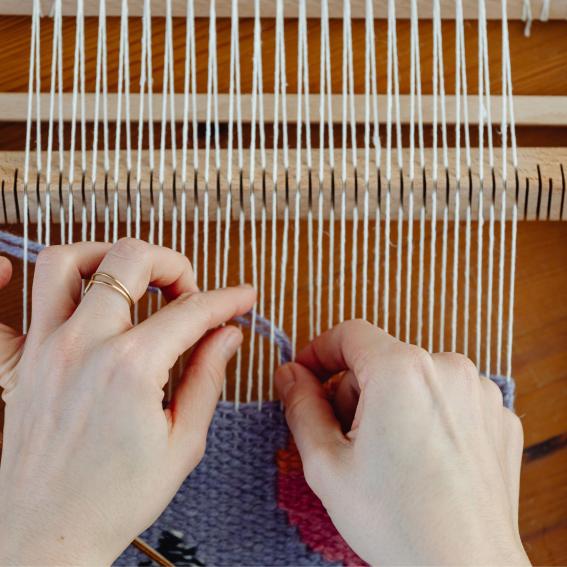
(103, 278)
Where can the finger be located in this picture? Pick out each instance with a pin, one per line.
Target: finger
(10, 341)
(136, 265)
(345, 400)
(194, 401)
(57, 282)
(5, 271)
(514, 440)
(348, 346)
(167, 334)
(459, 379)
(310, 417)
(493, 406)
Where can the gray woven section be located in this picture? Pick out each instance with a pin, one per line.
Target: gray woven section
(508, 388)
(227, 507)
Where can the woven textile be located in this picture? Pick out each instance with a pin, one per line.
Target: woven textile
(228, 507)
(247, 503)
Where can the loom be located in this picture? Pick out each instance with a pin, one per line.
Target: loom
(349, 159)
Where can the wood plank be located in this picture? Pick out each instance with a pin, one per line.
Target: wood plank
(550, 199)
(537, 61)
(557, 10)
(528, 110)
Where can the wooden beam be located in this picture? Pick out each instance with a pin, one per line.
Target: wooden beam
(541, 167)
(529, 110)
(557, 10)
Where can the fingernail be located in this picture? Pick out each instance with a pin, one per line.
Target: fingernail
(232, 341)
(285, 380)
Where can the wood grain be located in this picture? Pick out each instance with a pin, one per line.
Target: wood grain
(538, 62)
(557, 10)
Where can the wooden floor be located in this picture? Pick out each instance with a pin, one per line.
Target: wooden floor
(540, 337)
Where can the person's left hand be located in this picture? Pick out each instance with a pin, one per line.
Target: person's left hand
(90, 457)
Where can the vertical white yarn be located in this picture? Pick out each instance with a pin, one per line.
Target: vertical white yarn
(386, 288)
(190, 22)
(421, 247)
(352, 119)
(168, 100)
(185, 137)
(303, 93)
(369, 90)
(507, 70)
(56, 73)
(399, 236)
(344, 137)
(143, 79)
(325, 99)
(234, 87)
(78, 87)
(484, 108)
(282, 84)
(331, 247)
(438, 99)
(461, 79)
(83, 126)
(415, 89)
(33, 81)
(257, 107)
(100, 79)
(489, 287)
(123, 49)
(212, 111)
(279, 84)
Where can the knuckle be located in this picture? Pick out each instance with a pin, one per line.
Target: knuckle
(295, 404)
(418, 358)
(316, 465)
(186, 262)
(211, 372)
(120, 358)
(514, 427)
(463, 365)
(198, 303)
(356, 325)
(126, 348)
(128, 249)
(493, 392)
(68, 345)
(51, 255)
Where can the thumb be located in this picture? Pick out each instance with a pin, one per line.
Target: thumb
(10, 341)
(196, 397)
(315, 428)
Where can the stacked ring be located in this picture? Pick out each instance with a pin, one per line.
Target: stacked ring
(103, 278)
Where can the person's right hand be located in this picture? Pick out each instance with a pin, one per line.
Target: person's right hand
(425, 468)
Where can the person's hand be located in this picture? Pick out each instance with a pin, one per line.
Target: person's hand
(425, 468)
(90, 457)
